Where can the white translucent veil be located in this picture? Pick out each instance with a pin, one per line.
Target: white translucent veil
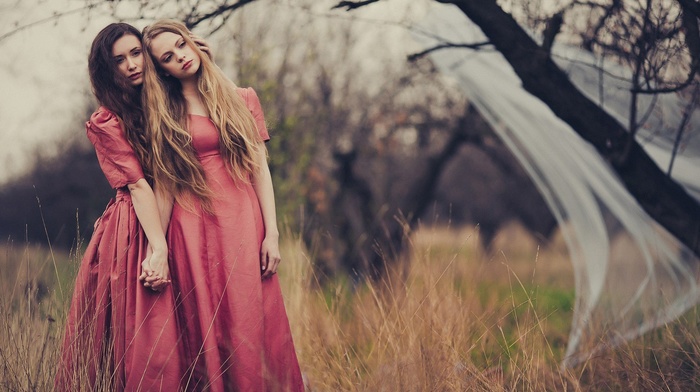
(630, 274)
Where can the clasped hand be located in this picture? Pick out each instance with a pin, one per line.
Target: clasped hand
(155, 273)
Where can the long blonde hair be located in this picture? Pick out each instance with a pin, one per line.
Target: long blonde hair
(174, 160)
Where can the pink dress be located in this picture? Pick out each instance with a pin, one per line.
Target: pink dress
(118, 334)
(235, 332)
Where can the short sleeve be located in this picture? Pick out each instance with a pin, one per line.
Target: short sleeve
(253, 104)
(117, 158)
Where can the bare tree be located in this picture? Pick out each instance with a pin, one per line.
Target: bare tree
(655, 37)
(369, 147)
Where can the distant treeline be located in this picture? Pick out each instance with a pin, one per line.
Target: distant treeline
(61, 196)
(57, 200)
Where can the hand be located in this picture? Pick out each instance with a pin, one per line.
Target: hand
(269, 256)
(146, 270)
(157, 275)
(202, 44)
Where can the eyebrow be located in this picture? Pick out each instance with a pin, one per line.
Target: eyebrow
(177, 42)
(130, 51)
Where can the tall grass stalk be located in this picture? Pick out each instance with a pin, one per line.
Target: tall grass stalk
(451, 318)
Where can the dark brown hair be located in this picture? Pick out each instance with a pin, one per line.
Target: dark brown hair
(113, 90)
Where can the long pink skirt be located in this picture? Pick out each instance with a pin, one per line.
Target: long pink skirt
(119, 336)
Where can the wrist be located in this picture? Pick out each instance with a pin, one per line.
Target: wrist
(159, 246)
(272, 234)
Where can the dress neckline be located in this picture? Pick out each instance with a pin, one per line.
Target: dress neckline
(197, 115)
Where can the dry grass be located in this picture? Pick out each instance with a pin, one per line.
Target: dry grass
(455, 319)
(31, 305)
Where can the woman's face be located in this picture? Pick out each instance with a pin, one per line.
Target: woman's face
(128, 55)
(175, 56)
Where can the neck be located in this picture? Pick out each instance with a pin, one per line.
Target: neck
(189, 87)
(190, 92)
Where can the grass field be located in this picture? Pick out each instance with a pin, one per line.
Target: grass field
(454, 318)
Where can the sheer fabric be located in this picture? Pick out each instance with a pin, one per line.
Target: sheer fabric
(630, 274)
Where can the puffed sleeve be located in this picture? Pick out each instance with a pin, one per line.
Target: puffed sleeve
(253, 104)
(114, 153)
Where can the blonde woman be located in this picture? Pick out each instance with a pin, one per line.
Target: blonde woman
(210, 160)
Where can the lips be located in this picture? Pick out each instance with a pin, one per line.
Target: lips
(135, 76)
(187, 65)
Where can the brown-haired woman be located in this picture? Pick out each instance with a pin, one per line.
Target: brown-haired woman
(119, 335)
(209, 154)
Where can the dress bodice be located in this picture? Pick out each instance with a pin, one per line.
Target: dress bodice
(205, 136)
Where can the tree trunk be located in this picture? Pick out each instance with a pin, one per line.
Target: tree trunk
(660, 196)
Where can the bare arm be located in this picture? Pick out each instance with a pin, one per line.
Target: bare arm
(147, 211)
(269, 251)
(165, 207)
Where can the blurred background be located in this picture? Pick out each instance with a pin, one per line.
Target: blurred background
(422, 254)
(364, 141)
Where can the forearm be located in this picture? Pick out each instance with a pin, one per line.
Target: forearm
(165, 207)
(266, 198)
(147, 212)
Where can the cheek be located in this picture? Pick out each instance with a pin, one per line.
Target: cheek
(172, 68)
(139, 62)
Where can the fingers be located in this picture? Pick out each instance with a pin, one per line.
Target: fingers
(146, 270)
(160, 285)
(156, 284)
(263, 261)
(264, 265)
(145, 274)
(275, 263)
(201, 43)
(154, 280)
(271, 264)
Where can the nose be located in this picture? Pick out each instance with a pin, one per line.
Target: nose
(181, 57)
(130, 64)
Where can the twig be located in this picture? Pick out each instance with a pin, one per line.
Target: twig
(351, 5)
(687, 114)
(193, 20)
(476, 46)
(55, 15)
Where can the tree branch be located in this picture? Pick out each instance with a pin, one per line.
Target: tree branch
(351, 5)
(690, 6)
(193, 20)
(551, 30)
(687, 114)
(55, 16)
(661, 197)
(476, 46)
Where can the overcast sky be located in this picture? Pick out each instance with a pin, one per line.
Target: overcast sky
(43, 77)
